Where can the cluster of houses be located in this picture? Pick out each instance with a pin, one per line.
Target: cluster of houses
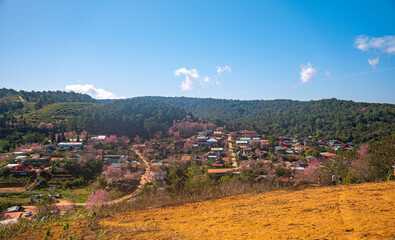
(249, 144)
(208, 144)
(28, 163)
(12, 215)
(295, 145)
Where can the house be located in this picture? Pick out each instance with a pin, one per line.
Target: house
(13, 215)
(300, 147)
(218, 165)
(99, 138)
(206, 132)
(8, 222)
(16, 154)
(310, 158)
(70, 145)
(241, 143)
(217, 149)
(35, 156)
(248, 151)
(201, 138)
(249, 134)
(156, 175)
(11, 165)
(38, 161)
(114, 158)
(220, 171)
(328, 154)
(289, 151)
(203, 144)
(279, 149)
(15, 208)
(186, 159)
(21, 170)
(21, 159)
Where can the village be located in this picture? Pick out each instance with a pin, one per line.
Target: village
(35, 172)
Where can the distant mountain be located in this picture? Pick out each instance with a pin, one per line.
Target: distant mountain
(145, 116)
(46, 97)
(20, 116)
(328, 118)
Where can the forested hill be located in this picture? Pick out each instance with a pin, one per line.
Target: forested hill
(128, 117)
(330, 118)
(146, 116)
(12, 101)
(46, 97)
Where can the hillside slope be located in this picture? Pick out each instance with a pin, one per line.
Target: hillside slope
(364, 211)
(327, 118)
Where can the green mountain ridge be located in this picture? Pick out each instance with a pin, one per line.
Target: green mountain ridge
(327, 118)
(146, 116)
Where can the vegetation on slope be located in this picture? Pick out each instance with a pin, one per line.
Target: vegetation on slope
(56, 112)
(363, 211)
(47, 97)
(329, 118)
(129, 117)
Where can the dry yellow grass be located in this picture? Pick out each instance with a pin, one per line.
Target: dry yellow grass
(364, 211)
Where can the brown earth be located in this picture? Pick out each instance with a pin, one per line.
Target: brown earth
(364, 211)
(12, 190)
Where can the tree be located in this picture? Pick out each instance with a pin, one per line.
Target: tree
(97, 199)
(113, 174)
(137, 139)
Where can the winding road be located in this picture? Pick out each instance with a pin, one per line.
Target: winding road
(143, 181)
(140, 187)
(232, 154)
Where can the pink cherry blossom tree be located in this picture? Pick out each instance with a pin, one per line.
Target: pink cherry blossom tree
(112, 139)
(113, 174)
(137, 139)
(97, 199)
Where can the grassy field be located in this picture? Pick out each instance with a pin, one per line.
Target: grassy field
(364, 211)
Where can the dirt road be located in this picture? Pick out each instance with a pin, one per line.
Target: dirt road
(143, 181)
(232, 154)
(63, 203)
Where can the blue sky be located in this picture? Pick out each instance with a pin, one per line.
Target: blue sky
(300, 50)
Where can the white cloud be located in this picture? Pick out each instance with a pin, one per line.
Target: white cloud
(191, 76)
(373, 62)
(223, 69)
(385, 44)
(97, 93)
(193, 79)
(307, 72)
(327, 73)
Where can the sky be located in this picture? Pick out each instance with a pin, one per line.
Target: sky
(300, 50)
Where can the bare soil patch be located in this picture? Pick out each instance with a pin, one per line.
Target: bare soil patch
(12, 190)
(364, 211)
